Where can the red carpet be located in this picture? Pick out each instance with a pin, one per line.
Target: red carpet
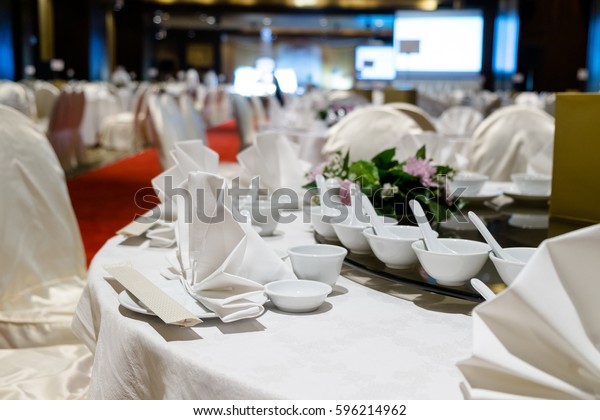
(224, 140)
(103, 199)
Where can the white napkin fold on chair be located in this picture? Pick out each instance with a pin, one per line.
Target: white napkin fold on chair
(540, 338)
(225, 263)
(275, 160)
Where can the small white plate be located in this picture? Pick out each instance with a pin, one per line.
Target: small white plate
(517, 195)
(486, 193)
(177, 292)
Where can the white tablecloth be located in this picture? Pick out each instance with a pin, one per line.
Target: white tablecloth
(361, 344)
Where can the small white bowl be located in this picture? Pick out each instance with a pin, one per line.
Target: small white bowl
(350, 235)
(529, 184)
(297, 295)
(453, 269)
(395, 252)
(322, 227)
(470, 182)
(509, 270)
(318, 262)
(261, 215)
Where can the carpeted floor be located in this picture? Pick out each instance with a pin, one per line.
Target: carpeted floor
(104, 198)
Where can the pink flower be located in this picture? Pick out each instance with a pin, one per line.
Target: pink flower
(345, 192)
(316, 170)
(422, 169)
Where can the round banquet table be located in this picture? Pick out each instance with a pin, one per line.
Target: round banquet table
(371, 339)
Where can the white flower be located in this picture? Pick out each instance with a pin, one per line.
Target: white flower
(389, 190)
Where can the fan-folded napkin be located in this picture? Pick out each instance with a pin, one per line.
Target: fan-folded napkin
(225, 263)
(275, 160)
(540, 338)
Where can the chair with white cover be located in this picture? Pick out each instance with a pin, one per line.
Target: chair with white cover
(15, 96)
(529, 99)
(507, 140)
(419, 115)
(43, 270)
(242, 112)
(194, 124)
(153, 128)
(368, 131)
(46, 95)
(173, 125)
(64, 128)
(259, 111)
(459, 121)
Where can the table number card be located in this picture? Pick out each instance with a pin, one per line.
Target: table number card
(575, 185)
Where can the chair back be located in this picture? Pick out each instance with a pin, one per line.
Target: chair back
(506, 140)
(41, 253)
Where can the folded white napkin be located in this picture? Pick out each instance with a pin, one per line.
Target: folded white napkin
(540, 338)
(189, 156)
(161, 236)
(225, 263)
(275, 160)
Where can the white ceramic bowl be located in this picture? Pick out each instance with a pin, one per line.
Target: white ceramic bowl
(261, 215)
(318, 262)
(297, 295)
(395, 252)
(528, 184)
(322, 227)
(350, 235)
(509, 270)
(471, 182)
(453, 269)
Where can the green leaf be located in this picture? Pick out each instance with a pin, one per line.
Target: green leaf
(312, 184)
(385, 159)
(346, 163)
(364, 171)
(421, 153)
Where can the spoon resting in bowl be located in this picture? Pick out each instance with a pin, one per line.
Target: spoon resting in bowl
(431, 241)
(489, 238)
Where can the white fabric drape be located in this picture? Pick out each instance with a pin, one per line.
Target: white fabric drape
(505, 141)
(459, 121)
(368, 131)
(42, 258)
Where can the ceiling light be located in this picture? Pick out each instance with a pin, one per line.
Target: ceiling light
(211, 20)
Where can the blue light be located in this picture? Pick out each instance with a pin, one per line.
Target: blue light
(7, 57)
(506, 42)
(593, 83)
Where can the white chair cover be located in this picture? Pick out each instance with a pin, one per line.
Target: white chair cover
(459, 121)
(64, 128)
(368, 131)
(529, 99)
(153, 124)
(41, 253)
(15, 96)
(505, 141)
(194, 124)
(173, 125)
(259, 111)
(46, 95)
(419, 115)
(242, 112)
(99, 103)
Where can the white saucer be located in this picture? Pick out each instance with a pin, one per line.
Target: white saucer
(515, 194)
(177, 292)
(484, 195)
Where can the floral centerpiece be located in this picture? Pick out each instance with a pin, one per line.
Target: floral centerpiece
(390, 184)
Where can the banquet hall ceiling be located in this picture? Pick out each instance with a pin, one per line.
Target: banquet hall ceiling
(317, 4)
